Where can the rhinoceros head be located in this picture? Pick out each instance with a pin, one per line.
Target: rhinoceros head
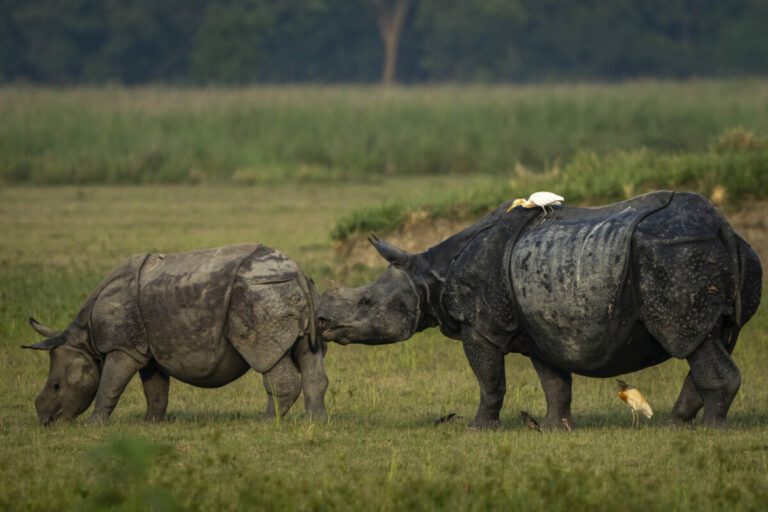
(384, 311)
(72, 379)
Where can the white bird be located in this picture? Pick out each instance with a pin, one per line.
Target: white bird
(540, 199)
(635, 400)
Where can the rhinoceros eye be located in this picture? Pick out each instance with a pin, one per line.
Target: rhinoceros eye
(364, 301)
(55, 385)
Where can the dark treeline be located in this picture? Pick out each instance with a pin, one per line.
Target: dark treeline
(245, 41)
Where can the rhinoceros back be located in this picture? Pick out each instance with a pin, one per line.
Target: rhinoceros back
(184, 300)
(178, 306)
(568, 273)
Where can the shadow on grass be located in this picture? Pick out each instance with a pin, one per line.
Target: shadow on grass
(736, 420)
(433, 419)
(204, 417)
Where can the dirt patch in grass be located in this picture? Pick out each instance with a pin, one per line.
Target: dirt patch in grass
(751, 222)
(417, 234)
(420, 232)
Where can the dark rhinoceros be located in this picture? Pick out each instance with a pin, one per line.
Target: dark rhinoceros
(203, 317)
(593, 291)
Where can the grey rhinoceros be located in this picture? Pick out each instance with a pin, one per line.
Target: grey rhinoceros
(203, 317)
(593, 291)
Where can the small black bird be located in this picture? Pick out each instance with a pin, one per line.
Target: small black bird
(529, 421)
(445, 419)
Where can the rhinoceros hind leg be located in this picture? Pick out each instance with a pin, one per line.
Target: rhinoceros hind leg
(283, 385)
(715, 377)
(689, 402)
(487, 363)
(155, 384)
(118, 370)
(313, 379)
(687, 406)
(556, 384)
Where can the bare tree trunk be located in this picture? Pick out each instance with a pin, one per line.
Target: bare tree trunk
(391, 17)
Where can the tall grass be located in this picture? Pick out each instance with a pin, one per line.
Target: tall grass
(732, 169)
(271, 134)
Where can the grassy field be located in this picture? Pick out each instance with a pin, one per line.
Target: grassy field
(381, 449)
(283, 166)
(266, 135)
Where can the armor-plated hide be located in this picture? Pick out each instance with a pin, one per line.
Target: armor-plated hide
(204, 317)
(595, 291)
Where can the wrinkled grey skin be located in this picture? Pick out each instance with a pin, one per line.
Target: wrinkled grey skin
(204, 317)
(594, 291)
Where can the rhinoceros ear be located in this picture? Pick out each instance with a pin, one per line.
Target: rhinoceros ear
(389, 252)
(48, 344)
(41, 329)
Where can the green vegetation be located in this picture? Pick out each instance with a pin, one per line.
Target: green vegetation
(734, 168)
(274, 135)
(381, 449)
(280, 166)
(247, 41)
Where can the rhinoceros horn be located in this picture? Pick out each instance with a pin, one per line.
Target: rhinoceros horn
(389, 252)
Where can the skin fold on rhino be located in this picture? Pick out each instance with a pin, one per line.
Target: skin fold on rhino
(203, 317)
(594, 291)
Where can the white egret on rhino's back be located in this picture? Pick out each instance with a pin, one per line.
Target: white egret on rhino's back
(540, 199)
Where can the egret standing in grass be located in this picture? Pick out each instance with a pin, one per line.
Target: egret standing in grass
(635, 400)
(540, 199)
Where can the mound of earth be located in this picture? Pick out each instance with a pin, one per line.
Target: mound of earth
(751, 222)
(421, 232)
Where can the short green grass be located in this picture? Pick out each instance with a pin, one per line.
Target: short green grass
(381, 449)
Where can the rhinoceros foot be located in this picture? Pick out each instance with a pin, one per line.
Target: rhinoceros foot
(97, 419)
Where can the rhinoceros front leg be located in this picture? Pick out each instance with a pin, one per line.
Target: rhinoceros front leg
(155, 384)
(556, 384)
(283, 385)
(716, 378)
(313, 379)
(118, 370)
(487, 362)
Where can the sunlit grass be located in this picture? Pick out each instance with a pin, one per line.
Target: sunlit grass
(279, 134)
(381, 449)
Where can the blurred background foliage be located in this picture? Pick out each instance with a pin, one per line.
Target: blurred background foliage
(331, 41)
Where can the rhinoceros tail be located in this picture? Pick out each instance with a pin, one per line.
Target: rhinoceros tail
(732, 247)
(308, 286)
